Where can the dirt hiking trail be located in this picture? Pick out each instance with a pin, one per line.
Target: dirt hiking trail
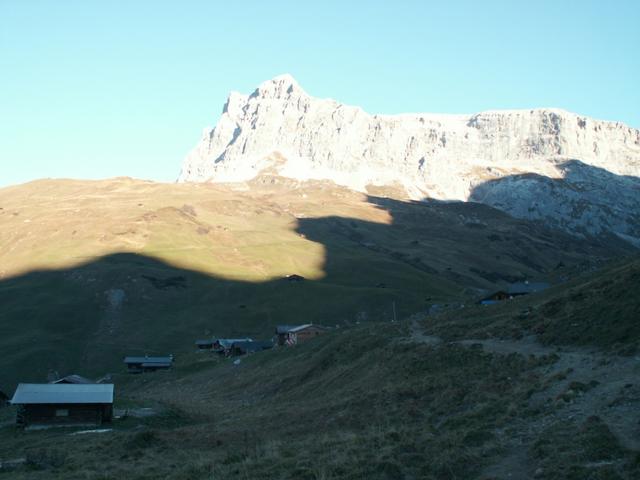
(581, 383)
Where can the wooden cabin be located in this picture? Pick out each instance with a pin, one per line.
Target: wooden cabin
(293, 334)
(514, 290)
(243, 348)
(63, 404)
(495, 297)
(223, 346)
(205, 344)
(148, 364)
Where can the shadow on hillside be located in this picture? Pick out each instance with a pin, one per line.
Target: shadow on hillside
(85, 318)
(582, 200)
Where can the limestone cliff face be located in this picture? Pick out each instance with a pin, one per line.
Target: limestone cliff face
(569, 170)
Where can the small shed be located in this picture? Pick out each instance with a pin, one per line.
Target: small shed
(223, 345)
(75, 379)
(205, 344)
(63, 404)
(242, 348)
(495, 297)
(292, 334)
(148, 364)
(514, 290)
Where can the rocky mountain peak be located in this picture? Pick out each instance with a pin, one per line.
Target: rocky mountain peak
(568, 170)
(280, 87)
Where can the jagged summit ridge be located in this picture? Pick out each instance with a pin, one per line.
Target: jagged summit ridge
(497, 157)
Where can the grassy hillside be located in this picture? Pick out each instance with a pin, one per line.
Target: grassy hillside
(133, 267)
(360, 402)
(597, 309)
(91, 271)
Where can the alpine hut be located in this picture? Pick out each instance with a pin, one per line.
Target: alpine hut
(243, 348)
(148, 364)
(42, 404)
(292, 334)
(205, 344)
(514, 290)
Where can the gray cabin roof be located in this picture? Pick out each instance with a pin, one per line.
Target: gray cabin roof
(62, 393)
(280, 329)
(168, 359)
(157, 365)
(291, 328)
(527, 287)
(228, 342)
(73, 379)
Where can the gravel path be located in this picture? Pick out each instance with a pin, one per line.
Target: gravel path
(613, 395)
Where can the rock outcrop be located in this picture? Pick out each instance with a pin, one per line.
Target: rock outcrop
(569, 170)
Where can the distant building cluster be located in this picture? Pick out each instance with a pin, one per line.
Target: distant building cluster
(285, 335)
(74, 400)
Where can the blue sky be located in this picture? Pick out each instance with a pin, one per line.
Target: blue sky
(95, 89)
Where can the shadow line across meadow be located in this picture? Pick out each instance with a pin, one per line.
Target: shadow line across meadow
(85, 318)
